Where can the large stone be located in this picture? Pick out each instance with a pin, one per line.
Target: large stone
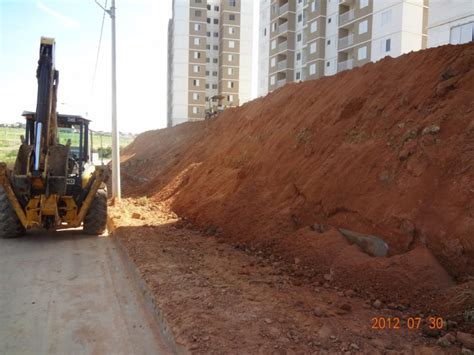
(370, 244)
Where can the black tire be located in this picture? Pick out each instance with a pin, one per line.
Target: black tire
(10, 225)
(95, 221)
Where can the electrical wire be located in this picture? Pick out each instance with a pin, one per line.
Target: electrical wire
(98, 46)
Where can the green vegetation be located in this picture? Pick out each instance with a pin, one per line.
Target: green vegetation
(102, 142)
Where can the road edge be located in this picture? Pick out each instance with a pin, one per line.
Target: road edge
(150, 303)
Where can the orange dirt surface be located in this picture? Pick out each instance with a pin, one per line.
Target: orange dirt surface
(386, 149)
(220, 298)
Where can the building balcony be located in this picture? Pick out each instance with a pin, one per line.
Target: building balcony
(283, 46)
(345, 42)
(283, 9)
(282, 65)
(346, 17)
(283, 27)
(345, 65)
(281, 82)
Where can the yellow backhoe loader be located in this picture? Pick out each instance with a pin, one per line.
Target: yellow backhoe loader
(52, 184)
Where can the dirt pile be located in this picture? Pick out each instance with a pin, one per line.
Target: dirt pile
(386, 149)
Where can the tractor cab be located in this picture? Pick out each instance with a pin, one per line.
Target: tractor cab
(71, 128)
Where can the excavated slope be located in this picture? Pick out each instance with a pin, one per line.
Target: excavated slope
(386, 149)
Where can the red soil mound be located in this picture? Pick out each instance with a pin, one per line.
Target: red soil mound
(386, 149)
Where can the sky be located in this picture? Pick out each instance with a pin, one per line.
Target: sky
(142, 27)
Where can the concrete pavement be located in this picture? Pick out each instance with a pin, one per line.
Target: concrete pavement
(67, 293)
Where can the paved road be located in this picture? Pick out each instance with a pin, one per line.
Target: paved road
(67, 293)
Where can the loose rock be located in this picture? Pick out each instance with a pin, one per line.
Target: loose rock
(370, 244)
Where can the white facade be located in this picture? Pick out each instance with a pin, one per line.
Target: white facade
(450, 21)
(246, 50)
(263, 47)
(331, 35)
(397, 27)
(179, 60)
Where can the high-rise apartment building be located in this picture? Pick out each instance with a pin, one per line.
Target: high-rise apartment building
(209, 56)
(308, 39)
(450, 21)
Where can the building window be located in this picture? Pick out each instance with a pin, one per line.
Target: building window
(232, 3)
(208, 34)
(363, 27)
(298, 37)
(216, 34)
(328, 64)
(208, 46)
(231, 44)
(300, 18)
(298, 56)
(230, 57)
(364, 3)
(197, 27)
(231, 17)
(312, 48)
(197, 55)
(313, 6)
(274, 27)
(314, 26)
(195, 96)
(230, 84)
(196, 41)
(329, 20)
(386, 17)
(265, 32)
(208, 60)
(273, 62)
(215, 47)
(216, 8)
(215, 60)
(388, 44)
(197, 13)
(312, 69)
(274, 44)
(329, 42)
(230, 71)
(230, 98)
(207, 73)
(231, 30)
(216, 21)
(272, 80)
(208, 6)
(214, 86)
(208, 20)
(207, 85)
(462, 34)
(195, 110)
(362, 53)
(214, 73)
(196, 68)
(298, 75)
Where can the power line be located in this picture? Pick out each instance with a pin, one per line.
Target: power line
(98, 46)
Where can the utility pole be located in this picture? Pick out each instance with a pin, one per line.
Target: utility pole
(116, 190)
